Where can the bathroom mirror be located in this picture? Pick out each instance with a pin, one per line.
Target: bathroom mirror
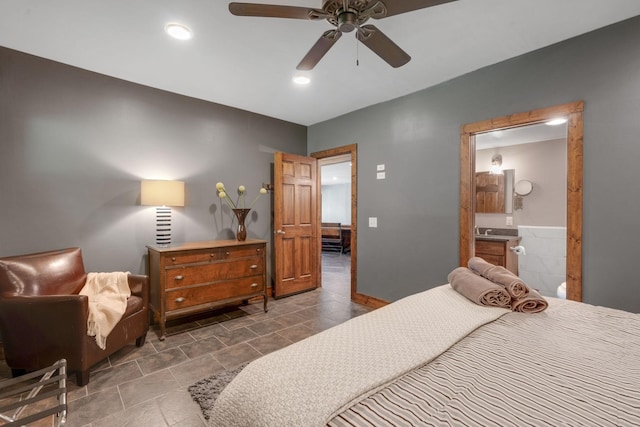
(494, 192)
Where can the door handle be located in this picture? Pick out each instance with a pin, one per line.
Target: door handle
(280, 232)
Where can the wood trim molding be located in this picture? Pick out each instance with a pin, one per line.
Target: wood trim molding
(352, 150)
(573, 111)
(372, 302)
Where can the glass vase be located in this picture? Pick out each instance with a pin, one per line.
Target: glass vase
(241, 214)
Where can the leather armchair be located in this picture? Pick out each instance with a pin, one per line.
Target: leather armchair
(43, 319)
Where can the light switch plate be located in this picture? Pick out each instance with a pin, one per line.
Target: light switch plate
(373, 222)
(380, 175)
(509, 220)
(380, 167)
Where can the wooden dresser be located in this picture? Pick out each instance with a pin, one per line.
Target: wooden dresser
(495, 250)
(194, 277)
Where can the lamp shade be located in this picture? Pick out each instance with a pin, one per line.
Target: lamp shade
(162, 193)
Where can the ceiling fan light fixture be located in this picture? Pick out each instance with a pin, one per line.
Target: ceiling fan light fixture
(178, 31)
(346, 16)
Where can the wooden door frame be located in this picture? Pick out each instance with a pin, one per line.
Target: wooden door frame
(351, 150)
(573, 111)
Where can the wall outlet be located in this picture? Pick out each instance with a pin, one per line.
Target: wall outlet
(380, 175)
(509, 220)
(373, 222)
(380, 167)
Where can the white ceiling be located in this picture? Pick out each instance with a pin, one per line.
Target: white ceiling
(248, 62)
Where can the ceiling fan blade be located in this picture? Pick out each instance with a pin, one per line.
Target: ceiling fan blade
(319, 49)
(382, 46)
(396, 7)
(275, 11)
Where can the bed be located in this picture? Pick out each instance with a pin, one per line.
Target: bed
(435, 358)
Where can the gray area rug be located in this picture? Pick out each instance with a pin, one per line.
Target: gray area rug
(206, 391)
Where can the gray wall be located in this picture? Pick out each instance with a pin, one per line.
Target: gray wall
(76, 144)
(416, 243)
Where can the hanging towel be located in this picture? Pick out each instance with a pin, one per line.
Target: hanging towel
(108, 294)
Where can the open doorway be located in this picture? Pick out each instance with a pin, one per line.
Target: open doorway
(335, 223)
(337, 171)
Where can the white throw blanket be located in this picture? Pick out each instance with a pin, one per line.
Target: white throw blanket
(108, 293)
(307, 383)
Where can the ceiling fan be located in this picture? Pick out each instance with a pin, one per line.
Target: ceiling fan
(346, 16)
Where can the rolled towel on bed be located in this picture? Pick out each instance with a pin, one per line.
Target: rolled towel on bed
(531, 303)
(478, 289)
(500, 275)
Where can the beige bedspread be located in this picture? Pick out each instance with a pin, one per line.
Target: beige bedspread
(309, 382)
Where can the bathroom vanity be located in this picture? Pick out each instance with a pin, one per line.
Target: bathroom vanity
(496, 250)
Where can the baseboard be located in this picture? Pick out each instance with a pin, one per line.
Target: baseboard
(369, 301)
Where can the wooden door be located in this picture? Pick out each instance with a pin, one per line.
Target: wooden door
(296, 224)
(489, 193)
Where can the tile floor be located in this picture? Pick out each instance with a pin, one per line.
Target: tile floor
(147, 386)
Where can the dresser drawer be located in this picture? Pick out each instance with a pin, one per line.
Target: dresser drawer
(242, 251)
(211, 254)
(188, 275)
(191, 257)
(189, 297)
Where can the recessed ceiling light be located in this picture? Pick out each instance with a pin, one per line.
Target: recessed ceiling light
(556, 122)
(178, 31)
(301, 80)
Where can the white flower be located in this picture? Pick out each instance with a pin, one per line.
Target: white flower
(238, 204)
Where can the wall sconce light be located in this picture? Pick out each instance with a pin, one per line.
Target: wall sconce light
(162, 195)
(496, 165)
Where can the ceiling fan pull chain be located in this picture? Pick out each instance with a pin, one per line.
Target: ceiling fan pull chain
(357, 52)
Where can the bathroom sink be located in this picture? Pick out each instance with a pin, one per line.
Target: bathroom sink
(498, 237)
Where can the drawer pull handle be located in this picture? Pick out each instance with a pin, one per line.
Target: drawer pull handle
(258, 250)
(254, 285)
(179, 277)
(181, 299)
(213, 255)
(254, 266)
(173, 258)
(227, 253)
